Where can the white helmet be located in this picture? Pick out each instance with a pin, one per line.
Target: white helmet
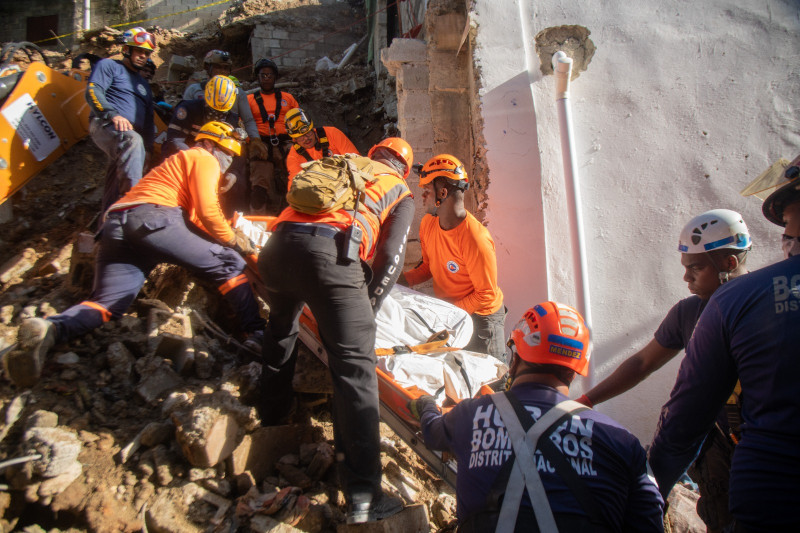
(714, 230)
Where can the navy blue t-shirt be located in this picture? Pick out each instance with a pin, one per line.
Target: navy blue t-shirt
(677, 327)
(116, 90)
(187, 119)
(604, 454)
(750, 330)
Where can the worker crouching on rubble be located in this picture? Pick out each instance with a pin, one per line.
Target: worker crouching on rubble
(121, 109)
(458, 253)
(171, 216)
(312, 143)
(750, 331)
(317, 260)
(582, 470)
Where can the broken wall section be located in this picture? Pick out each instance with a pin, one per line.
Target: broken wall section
(434, 100)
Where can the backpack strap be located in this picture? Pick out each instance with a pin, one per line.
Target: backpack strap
(322, 142)
(303, 152)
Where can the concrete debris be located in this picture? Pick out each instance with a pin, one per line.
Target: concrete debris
(13, 413)
(165, 516)
(207, 434)
(155, 378)
(260, 450)
(41, 419)
(443, 510)
(18, 265)
(58, 447)
(67, 358)
(412, 519)
(682, 511)
(267, 524)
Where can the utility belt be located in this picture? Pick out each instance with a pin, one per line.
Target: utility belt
(348, 242)
(278, 146)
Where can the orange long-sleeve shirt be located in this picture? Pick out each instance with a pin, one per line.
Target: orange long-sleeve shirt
(338, 144)
(189, 180)
(287, 102)
(462, 263)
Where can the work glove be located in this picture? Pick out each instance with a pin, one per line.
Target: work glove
(417, 405)
(258, 150)
(242, 243)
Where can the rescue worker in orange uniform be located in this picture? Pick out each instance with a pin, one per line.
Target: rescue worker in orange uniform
(306, 261)
(171, 216)
(268, 171)
(458, 253)
(312, 143)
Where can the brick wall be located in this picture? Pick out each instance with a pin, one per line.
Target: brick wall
(15, 17)
(191, 21)
(293, 45)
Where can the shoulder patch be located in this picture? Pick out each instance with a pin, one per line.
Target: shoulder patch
(180, 113)
(452, 267)
(141, 89)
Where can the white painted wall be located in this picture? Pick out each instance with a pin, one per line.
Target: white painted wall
(683, 104)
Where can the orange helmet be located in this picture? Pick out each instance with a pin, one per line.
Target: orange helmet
(399, 148)
(552, 334)
(444, 166)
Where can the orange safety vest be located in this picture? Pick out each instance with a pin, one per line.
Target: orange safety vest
(381, 196)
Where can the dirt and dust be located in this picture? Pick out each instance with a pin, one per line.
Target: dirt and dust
(160, 401)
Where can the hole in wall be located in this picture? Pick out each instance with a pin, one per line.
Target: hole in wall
(573, 40)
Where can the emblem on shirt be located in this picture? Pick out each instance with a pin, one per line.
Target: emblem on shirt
(452, 267)
(284, 103)
(180, 113)
(141, 89)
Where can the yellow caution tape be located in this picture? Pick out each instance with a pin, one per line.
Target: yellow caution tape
(141, 21)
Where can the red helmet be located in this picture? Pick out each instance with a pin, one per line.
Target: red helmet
(552, 334)
(444, 166)
(398, 147)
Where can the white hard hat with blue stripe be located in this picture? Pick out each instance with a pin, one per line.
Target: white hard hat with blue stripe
(714, 230)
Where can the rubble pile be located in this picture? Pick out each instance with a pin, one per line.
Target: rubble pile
(147, 423)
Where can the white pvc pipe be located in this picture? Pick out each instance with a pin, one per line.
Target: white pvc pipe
(562, 65)
(87, 12)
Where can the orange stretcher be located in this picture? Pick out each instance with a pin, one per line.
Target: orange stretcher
(394, 398)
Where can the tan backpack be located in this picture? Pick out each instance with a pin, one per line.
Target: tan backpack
(330, 184)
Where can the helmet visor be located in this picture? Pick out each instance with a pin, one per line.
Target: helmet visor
(143, 38)
(780, 173)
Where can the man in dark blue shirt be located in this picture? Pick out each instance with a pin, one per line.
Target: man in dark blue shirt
(121, 105)
(750, 331)
(713, 246)
(586, 473)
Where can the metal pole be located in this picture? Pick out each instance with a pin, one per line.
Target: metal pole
(87, 14)
(562, 65)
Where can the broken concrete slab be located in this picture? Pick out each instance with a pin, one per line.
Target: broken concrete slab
(18, 265)
(156, 377)
(58, 447)
(165, 517)
(120, 362)
(207, 435)
(412, 519)
(683, 511)
(403, 51)
(259, 451)
(266, 524)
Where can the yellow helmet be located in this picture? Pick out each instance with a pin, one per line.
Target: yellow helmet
(221, 133)
(220, 93)
(297, 123)
(139, 38)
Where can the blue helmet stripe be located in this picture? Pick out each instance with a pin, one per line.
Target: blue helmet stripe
(565, 341)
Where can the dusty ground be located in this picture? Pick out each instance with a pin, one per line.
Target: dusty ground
(107, 388)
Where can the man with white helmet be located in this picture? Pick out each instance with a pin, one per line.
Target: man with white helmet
(582, 470)
(121, 113)
(750, 331)
(713, 249)
(171, 216)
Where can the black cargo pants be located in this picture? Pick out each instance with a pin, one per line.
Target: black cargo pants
(300, 268)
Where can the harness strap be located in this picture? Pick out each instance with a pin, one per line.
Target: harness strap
(267, 118)
(322, 144)
(563, 467)
(524, 473)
